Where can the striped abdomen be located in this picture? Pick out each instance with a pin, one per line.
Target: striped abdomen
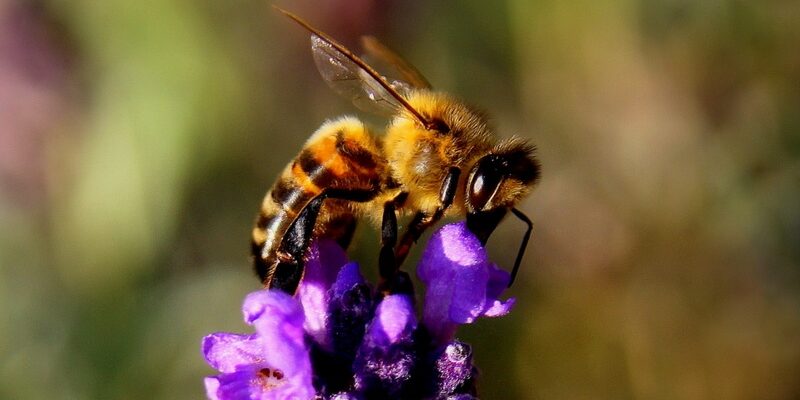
(341, 155)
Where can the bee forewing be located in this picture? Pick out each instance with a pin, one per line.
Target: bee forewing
(351, 81)
(385, 59)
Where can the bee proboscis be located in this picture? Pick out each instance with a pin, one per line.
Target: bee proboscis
(437, 157)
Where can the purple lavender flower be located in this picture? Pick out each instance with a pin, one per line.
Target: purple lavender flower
(461, 282)
(340, 339)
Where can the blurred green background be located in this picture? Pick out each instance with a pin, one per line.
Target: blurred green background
(137, 139)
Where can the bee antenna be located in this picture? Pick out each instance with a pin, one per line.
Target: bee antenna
(524, 218)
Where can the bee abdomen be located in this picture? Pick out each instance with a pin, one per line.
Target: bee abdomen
(340, 155)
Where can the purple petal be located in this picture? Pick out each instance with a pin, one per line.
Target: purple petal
(387, 356)
(350, 309)
(325, 258)
(349, 276)
(499, 308)
(394, 320)
(453, 244)
(233, 386)
(257, 383)
(498, 282)
(225, 351)
(462, 284)
(281, 332)
(436, 309)
(270, 304)
(212, 387)
(469, 293)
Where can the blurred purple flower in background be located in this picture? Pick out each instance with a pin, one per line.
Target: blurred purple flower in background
(340, 339)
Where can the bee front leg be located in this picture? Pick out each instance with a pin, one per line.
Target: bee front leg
(422, 221)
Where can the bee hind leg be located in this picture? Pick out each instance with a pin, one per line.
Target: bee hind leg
(291, 263)
(291, 253)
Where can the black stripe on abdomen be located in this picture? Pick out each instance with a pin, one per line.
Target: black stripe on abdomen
(322, 176)
(356, 154)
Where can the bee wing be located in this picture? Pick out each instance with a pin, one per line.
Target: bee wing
(408, 75)
(350, 76)
(352, 81)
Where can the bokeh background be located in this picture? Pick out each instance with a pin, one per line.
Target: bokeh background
(137, 139)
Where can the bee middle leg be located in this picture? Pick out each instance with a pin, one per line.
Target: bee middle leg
(416, 228)
(391, 279)
(291, 253)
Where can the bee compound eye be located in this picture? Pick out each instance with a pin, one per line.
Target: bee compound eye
(484, 185)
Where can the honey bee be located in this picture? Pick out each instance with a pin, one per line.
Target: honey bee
(438, 157)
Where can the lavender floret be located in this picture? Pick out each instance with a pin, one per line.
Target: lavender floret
(387, 356)
(455, 371)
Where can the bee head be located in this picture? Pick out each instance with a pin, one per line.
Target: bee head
(502, 177)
